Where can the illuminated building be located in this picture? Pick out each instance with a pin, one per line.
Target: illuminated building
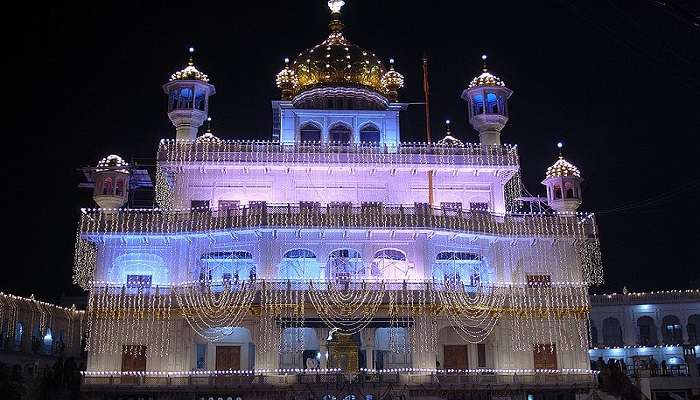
(325, 263)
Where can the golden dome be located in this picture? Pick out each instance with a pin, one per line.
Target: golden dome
(112, 163)
(336, 62)
(563, 168)
(486, 78)
(190, 72)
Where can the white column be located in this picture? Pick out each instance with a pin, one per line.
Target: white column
(322, 334)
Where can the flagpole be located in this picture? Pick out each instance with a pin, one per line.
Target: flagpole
(429, 136)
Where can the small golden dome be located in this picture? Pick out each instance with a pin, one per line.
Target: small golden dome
(562, 168)
(112, 163)
(392, 81)
(208, 138)
(486, 79)
(190, 72)
(287, 81)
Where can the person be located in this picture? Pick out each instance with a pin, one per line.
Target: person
(664, 367)
(623, 366)
(653, 366)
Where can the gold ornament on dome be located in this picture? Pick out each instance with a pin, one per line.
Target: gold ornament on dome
(563, 168)
(336, 62)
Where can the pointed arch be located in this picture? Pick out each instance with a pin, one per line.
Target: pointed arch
(370, 134)
(310, 132)
(340, 132)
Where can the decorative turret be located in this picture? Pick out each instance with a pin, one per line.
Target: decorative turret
(563, 183)
(287, 81)
(392, 81)
(111, 182)
(188, 99)
(487, 96)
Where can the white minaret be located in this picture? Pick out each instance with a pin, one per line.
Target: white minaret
(563, 182)
(487, 96)
(111, 182)
(188, 99)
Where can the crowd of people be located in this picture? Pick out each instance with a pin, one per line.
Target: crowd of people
(61, 381)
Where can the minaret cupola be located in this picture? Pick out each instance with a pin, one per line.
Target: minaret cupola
(188, 99)
(563, 182)
(487, 96)
(111, 182)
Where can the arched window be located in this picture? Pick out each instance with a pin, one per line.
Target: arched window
(492, 104)
(48, 341)
(340, 133)
(344, 265)
(369, 134)
(557, 192)
(693, 329)
(390, 264)
(107, 186)
(612, 332)
(310, 132)
(672, 330)
(647, 331)
(227, 266)
(477, 104)
(569, 190)
(19, 332)
(462, 267)
(299, 264)
(593, 334)
(120, 187)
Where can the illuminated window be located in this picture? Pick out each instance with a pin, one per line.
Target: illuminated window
(492, 106)
(340, 133)
(390, 264)
(569, 190)
(477, 104)
(557, 192)
(369, 134)
(310, 132)
(201, 350)
(107, 186)
(227, 266)
(120, 187)
(344, 265)
(539, 281)
(458, 267)
(451, 208)
(299, 264)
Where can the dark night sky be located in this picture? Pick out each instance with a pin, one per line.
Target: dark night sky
(616, 80)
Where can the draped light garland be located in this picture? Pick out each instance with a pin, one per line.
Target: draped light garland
(37, 316)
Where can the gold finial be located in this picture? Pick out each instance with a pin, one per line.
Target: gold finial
(483, 59)
(447, 124)
(336, 25)
(209, 125)
(560, 145)
(190, 62)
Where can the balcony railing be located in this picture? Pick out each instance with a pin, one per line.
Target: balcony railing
(375, 216)
(645, 298)
(404, 154)
(252, 382)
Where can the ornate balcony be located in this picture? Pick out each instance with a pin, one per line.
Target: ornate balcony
(375, 216)
(232, 152)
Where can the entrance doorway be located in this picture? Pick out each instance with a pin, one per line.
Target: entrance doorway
(133, 360)
(456, 357)
(228, 358)
(545, 356)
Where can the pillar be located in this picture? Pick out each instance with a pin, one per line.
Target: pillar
(322, 334)
(368, 345)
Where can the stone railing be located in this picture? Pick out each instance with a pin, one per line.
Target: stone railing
(255, 382)
(649, 297)
(372, 216)
(178, 152)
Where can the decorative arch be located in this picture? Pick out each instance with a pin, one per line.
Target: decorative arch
(310, 131)
(370, 133)
(459, 266)
(340, 132)
(390, 264)
(230, 265)
(140, 267)
(672, 330)
(47, 341)
(344, 264)
(299, 264)
(19, 335)
(646, 329)
(612, 332)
